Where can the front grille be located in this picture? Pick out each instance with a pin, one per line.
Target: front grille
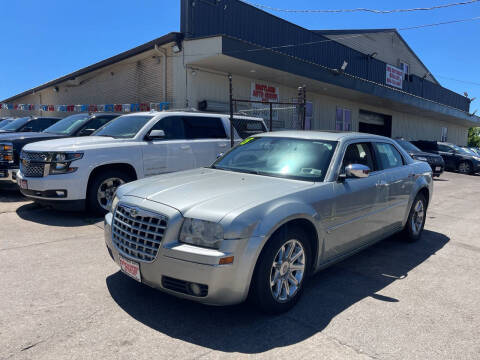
(138, 233)
(32, 164)
(29, 169)
(183, 286)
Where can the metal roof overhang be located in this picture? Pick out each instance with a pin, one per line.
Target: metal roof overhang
(239, 57)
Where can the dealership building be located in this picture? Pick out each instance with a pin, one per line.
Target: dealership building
(360, 80)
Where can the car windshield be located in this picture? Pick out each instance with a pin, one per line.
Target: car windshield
(16, 124)
(123, 127)
(69, 125)
(4, 123)
(290, 158)
(461, 150)
(407, 145)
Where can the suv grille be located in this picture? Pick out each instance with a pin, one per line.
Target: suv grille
(138, 233)
(32, 164)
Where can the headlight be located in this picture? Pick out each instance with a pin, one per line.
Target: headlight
(6, 152)
(476, 158)
(114, 203)
(201, 233)
(420, 158)
(60, 162)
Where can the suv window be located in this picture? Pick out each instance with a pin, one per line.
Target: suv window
(444, 148)
(38, 124)
(247, 127)
(388, 156)
(200, 127)
(172, 126)
(359, 153)
(94, 124)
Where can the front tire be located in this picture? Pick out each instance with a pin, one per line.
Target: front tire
(416, 219)
(102, 189)
(281, 271)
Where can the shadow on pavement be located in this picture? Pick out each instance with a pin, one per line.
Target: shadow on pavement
(243, 329)
(46, 216)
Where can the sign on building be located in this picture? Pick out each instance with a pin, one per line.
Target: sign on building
(394, 76)
(266, 93)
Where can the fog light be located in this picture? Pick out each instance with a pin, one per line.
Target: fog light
(60, 193)
(195, 289)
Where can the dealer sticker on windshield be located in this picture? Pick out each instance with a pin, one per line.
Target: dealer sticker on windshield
(130, 268)
(246, 141)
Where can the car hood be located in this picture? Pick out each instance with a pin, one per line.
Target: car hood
(211, 194)
(73, 144)
(25, 135)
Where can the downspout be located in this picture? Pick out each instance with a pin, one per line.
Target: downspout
(163, 53)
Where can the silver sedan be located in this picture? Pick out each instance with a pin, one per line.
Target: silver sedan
(266, 215)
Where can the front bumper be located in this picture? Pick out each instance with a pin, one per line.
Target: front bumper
(45, 188)
(225, 284)
(8, 174)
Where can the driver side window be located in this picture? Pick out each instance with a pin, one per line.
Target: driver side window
(359, 153)
(172, 126)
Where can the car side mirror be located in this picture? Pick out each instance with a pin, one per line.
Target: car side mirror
(357, 171)
(87, 132)
(156, 134)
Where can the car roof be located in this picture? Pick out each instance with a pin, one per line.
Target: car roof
(322, 135)
(190, 113)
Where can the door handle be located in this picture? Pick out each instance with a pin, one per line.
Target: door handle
(381, 183)
(185, 147)
(222, 145)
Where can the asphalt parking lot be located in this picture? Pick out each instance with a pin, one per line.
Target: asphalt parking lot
(63, 298)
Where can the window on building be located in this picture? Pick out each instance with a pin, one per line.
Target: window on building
(444, 134)
(406, 69)
(343, 121)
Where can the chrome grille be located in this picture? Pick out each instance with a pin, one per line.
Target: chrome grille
(29, 169)
(137, 233)
(35, 156)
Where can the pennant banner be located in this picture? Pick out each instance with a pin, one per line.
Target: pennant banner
(126, 108)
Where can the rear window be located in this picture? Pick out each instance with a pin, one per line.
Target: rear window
(248, 127)
(200, 127)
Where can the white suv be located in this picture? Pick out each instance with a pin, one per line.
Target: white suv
(74, 172)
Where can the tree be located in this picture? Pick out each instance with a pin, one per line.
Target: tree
(474, 137)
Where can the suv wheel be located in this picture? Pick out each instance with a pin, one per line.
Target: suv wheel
(465, 167)
(282, 270)
(416, 219)
(102, 190)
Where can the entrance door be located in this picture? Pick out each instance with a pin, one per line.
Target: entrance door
(375, 123)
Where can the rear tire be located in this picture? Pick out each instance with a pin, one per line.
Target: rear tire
(102, 189)
(281, 271)
(465, 167)
(416, 219)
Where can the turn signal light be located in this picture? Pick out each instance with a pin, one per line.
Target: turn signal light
(226, 260)
(6, 147)
(8, 157)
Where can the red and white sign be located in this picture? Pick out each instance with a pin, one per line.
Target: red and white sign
(394, 76)
(130, 268)
(266, 93)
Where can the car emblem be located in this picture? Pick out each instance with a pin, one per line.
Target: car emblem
(133, 212)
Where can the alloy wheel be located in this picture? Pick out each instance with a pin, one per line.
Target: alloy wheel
(418, 217)
(288, 270)
(106, 191)
(464, 168)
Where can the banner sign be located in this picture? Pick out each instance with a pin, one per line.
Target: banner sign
(394, 76)
(87, 108)
(265, 93)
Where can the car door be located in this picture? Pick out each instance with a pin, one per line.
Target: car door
(448, 155)
(207, 137)
(171, 153)
(399, 180)
(358, 202)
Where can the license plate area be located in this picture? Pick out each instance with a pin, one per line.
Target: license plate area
(131, 268)
(438, 168)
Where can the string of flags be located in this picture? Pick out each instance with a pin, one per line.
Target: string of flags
(126, 108)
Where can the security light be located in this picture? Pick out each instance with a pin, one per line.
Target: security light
(176, 49)
(344, 66)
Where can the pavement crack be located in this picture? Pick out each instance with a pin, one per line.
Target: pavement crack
(31, 346)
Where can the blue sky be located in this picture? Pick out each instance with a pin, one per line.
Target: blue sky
(43, 40)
